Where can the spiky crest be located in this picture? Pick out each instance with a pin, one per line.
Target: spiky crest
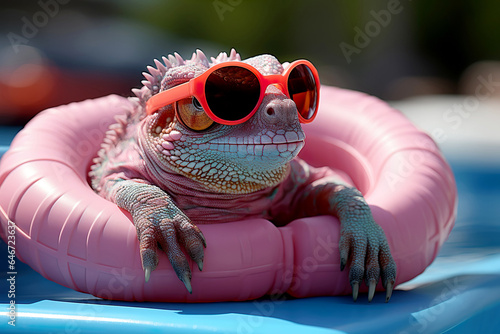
(155, 75)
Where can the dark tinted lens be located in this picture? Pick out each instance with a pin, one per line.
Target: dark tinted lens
(303, 90)
(232, 92)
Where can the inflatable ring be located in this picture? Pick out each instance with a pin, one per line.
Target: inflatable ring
(72, 236)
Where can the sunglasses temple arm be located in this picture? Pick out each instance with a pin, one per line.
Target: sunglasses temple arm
(167, 97)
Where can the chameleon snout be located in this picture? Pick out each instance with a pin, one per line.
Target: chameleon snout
(277, 108)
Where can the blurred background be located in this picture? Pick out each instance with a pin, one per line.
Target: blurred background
(58, 51)
(436, 61)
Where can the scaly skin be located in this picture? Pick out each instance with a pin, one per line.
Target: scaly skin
(170, 177)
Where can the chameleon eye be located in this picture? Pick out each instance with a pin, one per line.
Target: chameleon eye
(192, 115)
(197, 104)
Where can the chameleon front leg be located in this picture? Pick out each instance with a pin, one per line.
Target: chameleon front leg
(361, 237)
(158, 221)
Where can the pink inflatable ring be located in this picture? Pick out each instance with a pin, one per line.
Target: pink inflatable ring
(72, 236)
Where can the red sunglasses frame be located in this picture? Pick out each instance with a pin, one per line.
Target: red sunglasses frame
(196, 87)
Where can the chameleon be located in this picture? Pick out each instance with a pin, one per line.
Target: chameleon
(176, 168)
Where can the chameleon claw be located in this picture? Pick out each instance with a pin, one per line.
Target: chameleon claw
(203, 240)
(200, 265)
(187, 282)
(388, 292)
(342, 264)
(371, 289)
(147, 273)
(355, 290)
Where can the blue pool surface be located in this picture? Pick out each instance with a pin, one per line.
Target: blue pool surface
(458, 293)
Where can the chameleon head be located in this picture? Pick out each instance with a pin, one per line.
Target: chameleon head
(233, 159)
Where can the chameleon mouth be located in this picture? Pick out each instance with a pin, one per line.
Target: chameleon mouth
(285, 145)
(268, 138)
(269, 146)
(284, 150)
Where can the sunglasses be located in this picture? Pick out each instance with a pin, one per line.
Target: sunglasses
(231, 92)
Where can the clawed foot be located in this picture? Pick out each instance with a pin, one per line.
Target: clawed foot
(171, 231)
(365, 245)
